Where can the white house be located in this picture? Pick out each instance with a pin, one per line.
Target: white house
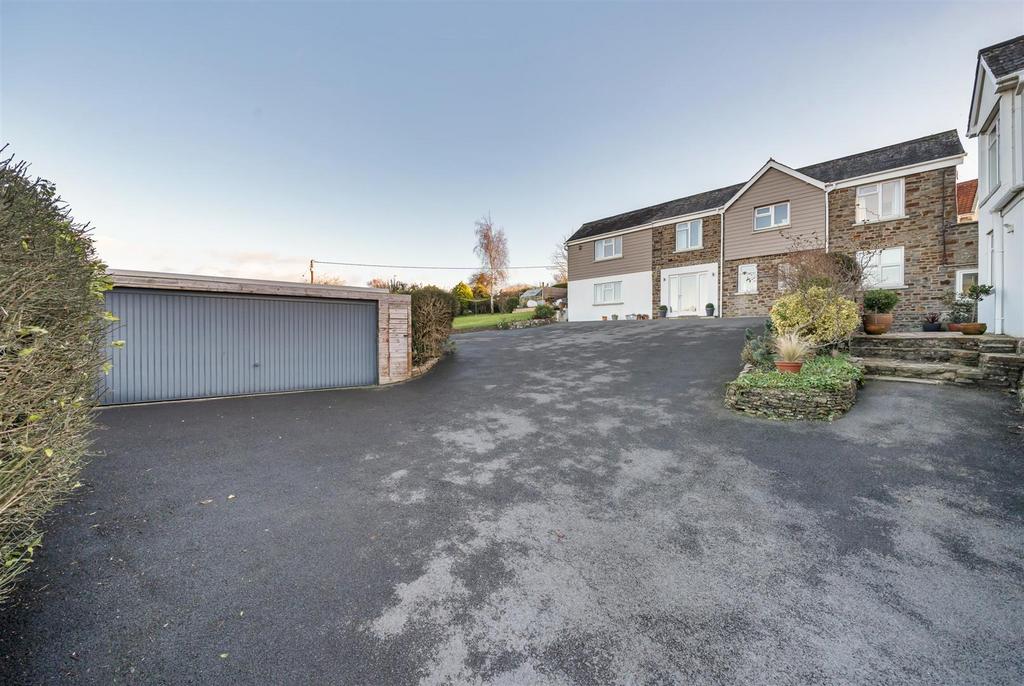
(996, 119)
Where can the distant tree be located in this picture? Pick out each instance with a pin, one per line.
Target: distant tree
(462, 291)
(329, 280)
(492, 250)
(560, 260)
(377, 282)
(391, 285)
(480, 282)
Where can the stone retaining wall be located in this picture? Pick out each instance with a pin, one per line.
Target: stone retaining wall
(790, 403)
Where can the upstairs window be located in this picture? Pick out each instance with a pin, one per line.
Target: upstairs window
(882, 268)
(689, 235)
(608, 293)
(608, 248)
(771, 216)
(992, 156)
(880, 201)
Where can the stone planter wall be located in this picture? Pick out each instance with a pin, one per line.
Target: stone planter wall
(788, 403)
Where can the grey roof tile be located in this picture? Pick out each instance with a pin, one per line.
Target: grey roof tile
(1004, 58)
(925, 149)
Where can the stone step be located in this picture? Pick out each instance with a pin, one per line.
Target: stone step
(943, 372)
(954, 355)
(936, 341)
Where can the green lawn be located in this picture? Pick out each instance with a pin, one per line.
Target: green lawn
(487, 321)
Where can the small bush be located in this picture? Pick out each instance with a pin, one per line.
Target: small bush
(823, 372)
(792, 348)
(759, 349)
(52, 333)
(880, 301)
(818, 314)
(462, 291)
(433, 310)
(543, 311)
(507, 303)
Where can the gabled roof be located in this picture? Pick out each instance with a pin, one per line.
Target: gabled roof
(966, 194)
(778, 166)
(916, 151)
(1004, 58)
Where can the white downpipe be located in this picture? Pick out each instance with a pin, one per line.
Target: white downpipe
(1000, 300)
(826, 218)
(721, 262)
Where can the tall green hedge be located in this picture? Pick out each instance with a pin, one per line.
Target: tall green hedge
(52, 326)
(432, 312)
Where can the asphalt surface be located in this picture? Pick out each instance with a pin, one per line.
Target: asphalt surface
(563, 505)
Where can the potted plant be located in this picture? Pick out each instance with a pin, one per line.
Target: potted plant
(959, 310)
(615, 317)
(710, 309)
(975, 294)
(662, 311)
(878, 306)
(931, 322)
(791, 350)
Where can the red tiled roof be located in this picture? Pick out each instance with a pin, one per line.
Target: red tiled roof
(965, 192)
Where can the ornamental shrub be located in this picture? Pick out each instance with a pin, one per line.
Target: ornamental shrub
(433, 310)
(759, 348)
(818, 314)
(462, 291)
(507, 303)
(880, 301)
(543, 311)
(52, 332)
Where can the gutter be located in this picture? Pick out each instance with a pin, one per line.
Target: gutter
(721, 263)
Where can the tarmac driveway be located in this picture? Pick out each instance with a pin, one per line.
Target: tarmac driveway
(569, 504)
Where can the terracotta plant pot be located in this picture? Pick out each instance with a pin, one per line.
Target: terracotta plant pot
(952, 326)
(973, 328)
(788, 367)
(875, 323)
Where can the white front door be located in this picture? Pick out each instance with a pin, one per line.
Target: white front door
(684, 293)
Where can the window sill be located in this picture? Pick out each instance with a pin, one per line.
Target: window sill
(989, 195)
(884, 287)
(606, 259)
(699, 247)
(746, 293)
(604, 304)
(780, 227)
(881, 221)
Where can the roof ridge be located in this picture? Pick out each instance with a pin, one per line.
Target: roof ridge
(659, 204)
(881, 147)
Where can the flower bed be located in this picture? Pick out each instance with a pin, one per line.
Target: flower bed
(826, 388)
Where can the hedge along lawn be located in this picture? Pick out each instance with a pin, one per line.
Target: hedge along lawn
(823, 372)
(488, 321)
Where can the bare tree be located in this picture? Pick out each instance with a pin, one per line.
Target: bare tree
(560, 261)
(492, 249)
(329, 280)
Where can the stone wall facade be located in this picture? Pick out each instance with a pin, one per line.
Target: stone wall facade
(664, 255)
(934, 245)
(736, 304)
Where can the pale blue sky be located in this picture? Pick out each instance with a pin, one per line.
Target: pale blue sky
(244, 139)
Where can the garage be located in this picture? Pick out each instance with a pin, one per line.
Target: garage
(189, 337)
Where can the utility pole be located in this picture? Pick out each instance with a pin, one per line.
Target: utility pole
(311, 271)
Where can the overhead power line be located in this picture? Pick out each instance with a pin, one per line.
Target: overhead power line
(412, 266)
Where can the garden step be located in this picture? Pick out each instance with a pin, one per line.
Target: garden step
(943, 372)
(942, 340)
(954, 355)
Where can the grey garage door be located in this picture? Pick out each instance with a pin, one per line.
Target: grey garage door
(201, 345)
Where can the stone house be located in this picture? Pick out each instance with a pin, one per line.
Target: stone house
(893, 208)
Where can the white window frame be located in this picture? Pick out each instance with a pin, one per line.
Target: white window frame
(875, 261)
(898, 205)
(689, 227)
(771, 213)
(745, 285)
(601, 293)
(992, 160)
(600, 245)
(960, 274)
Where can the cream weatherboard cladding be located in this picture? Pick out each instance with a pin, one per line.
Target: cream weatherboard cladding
(806, 217)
